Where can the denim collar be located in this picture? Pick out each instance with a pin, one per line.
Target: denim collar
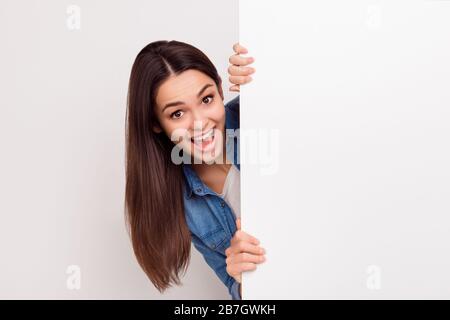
(193, 182)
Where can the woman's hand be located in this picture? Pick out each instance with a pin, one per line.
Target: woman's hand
(243, 254)
(239, 73)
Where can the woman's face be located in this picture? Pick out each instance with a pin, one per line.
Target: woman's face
(188, 106)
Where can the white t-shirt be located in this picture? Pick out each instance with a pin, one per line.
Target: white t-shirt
(231, 192)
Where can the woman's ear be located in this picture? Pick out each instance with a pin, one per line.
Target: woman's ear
(157, 128)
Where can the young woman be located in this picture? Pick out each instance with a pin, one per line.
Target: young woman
(182, 165)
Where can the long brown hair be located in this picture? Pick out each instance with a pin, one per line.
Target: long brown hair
(154, 207)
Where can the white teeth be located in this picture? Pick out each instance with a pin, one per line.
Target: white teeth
(206, 136)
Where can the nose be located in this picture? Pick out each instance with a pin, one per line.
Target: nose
(200, 122)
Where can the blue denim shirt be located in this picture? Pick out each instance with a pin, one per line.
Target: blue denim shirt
(209, 218)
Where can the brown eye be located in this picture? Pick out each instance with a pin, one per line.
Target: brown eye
(206, 98)
(176, 113)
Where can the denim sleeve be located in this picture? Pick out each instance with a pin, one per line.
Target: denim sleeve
(216, 261)
(235, 294)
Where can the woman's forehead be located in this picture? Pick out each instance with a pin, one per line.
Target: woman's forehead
(182, 87)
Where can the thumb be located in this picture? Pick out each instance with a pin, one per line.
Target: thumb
(238, 223)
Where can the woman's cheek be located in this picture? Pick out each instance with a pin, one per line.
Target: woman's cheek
(217, 115)
(178, 134)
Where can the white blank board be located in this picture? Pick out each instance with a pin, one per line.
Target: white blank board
(351, 193)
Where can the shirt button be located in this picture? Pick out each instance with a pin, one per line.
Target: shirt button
(198, 190)
(222, 204)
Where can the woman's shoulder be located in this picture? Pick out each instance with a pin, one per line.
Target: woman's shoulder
(232, 114)
(233, 104)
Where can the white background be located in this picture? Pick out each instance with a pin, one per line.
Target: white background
(62, 126)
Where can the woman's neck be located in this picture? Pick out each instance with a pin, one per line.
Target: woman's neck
(201, 168)
(223, 166)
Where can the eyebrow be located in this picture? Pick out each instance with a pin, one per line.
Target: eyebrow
(176, 103)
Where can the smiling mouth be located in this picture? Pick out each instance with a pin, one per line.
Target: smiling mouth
(206, 141)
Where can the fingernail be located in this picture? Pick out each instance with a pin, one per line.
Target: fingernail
(262, 250)
(262, 258)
